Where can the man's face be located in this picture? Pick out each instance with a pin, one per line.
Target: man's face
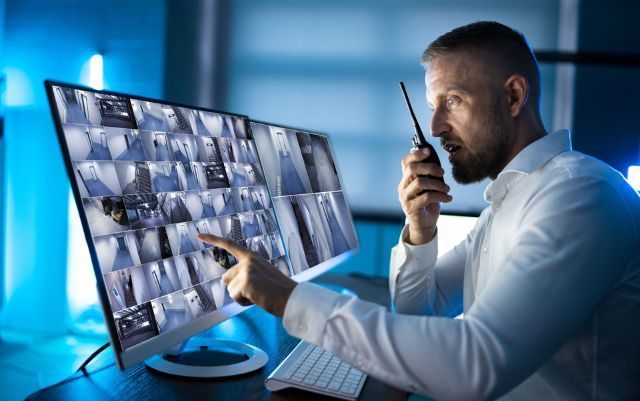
(470, 116)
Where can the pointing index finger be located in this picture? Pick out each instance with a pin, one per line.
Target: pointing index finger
(228, 245)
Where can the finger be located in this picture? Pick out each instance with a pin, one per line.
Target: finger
(416, 156)
(230, 274)
(428, 198)
(237, 290)
(422, 184)
(418, 169)
(228, 245)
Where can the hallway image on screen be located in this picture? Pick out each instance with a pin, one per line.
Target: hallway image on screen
(97, 178)
(156, 145)
(126, 144)
(87, 142)
(282, 160)
(170, 311)
(117, 251)
(161, 280)
(126, 288)
(148, 115)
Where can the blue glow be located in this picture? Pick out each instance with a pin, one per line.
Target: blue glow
(41, 43)
(96, 72)
(19, 91)
(633, 176)
(81, 282)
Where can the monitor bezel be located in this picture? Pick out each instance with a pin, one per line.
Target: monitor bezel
(127, 357)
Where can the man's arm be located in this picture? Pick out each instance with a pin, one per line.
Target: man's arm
(418, 284)
(563, 262)
(423, 284)
(572, 247)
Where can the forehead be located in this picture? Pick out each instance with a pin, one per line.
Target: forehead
(458, 71)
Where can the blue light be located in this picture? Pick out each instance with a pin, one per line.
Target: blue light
(96, 72)
(633, 176)
(81, 283)
(19, 91)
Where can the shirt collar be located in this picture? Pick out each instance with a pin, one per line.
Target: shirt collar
(531, 158)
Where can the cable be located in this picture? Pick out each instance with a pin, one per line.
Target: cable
(83, 367)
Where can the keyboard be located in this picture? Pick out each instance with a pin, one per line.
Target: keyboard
(311, 368)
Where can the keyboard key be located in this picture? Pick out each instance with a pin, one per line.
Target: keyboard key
(334, 386)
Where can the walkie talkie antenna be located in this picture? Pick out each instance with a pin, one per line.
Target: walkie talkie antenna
(419, 140)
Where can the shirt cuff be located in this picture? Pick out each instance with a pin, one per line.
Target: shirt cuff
(308, 310)
(406, 254)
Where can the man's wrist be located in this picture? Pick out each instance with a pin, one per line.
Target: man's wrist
(421, 236)
(286, 295)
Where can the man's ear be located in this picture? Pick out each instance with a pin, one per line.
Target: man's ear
(517, 91)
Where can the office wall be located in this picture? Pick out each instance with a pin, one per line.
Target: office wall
(334, 66)
(606, 102)
(44, 39)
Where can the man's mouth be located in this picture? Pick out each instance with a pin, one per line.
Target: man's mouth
(452, 150)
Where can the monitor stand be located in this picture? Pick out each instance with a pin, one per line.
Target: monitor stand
(209, 357)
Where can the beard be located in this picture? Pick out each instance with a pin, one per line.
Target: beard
(484, 156)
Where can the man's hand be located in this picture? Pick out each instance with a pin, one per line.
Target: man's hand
(253, 280)
(422, 210)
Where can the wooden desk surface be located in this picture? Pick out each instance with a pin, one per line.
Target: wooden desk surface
(253, 326)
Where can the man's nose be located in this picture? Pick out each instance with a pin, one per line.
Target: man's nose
(439, 124)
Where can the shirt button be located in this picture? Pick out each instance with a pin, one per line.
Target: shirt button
(302, 327)
(497, 205)
(485, 250)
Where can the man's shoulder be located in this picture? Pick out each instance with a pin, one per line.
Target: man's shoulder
(572, 168)
(572, 164)
(578, 175)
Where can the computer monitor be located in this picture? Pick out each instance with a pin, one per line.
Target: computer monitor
(309, 201)
(148, 176)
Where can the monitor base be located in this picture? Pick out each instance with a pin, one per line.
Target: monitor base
(210, 357)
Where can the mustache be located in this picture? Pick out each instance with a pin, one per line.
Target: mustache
(449, 139)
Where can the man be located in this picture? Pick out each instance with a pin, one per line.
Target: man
(548, 280)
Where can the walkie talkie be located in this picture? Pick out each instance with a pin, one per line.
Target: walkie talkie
(419, 141)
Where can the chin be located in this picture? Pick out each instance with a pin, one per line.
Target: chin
(464, 175)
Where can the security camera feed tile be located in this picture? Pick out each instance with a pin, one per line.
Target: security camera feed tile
(314, 218)
(151, 177)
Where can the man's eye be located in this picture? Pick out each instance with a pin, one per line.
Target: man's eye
(452, 102)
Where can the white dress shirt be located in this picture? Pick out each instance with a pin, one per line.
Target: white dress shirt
(548, 280)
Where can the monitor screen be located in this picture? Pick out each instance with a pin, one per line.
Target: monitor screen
(301, 173)
(149, 175)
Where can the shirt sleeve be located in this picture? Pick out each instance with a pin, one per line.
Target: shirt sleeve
(565, 258)
(422, 284)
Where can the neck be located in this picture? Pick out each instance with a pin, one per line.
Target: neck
(526, 130)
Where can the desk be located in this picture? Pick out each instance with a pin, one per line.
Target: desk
(254, 326)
